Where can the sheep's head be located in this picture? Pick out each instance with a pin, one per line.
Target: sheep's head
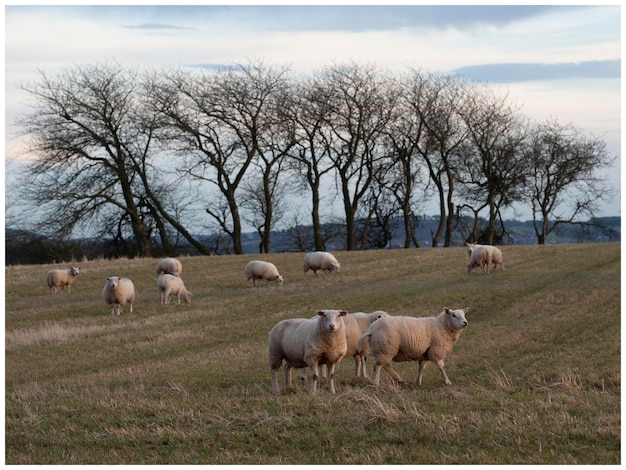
(470, 247)
(457, 317)
(380, 314)
(280, 280)
(75, 271)
(330, 319)
(113, 281)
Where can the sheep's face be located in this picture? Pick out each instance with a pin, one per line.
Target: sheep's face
(75, 271)
(457, 317)
(470, 247)
(331, 320)
(113, 281)
(279, 279)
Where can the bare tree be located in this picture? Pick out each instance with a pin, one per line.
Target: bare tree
(217, 121)
(310, 112)
(493, 167)
(361, 106)
(90, 147)
(564, 183)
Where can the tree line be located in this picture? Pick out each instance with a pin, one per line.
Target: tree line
(138, 156)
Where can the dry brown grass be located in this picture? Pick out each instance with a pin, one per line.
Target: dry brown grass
(536, 376)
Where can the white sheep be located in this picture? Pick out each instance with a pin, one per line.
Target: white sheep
(169, 266)
(256, 269)
(302, 342)
(404, 338)
(61, 278)
(495, 253)
(168, 285)
(320, 260)
(117, 292)
(480, 257)
(356, 324)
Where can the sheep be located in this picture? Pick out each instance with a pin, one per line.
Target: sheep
(302, 342)
(404, 338)
(496, 254)
(480, 257)
(356, 324)
(61, 278)
(168, 285)
(117, 292)
(320, 260)
(256, 269)
(169, 266)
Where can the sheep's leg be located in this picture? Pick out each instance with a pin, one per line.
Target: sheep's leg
(376, 374)
(315, 375)
(393, 373)
(288, 374)
(357, 364)
(442, 368)
(420, 374)
(131, 307)
(364, 366)
(274, 374)
(331, 378)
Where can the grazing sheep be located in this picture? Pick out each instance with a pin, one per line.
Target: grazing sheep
(480, 257)
(118, 291)
(262, 270)
(169, 266)
(404, 338)
(302, 342)
(61, 278)
(496, 254)
(168, 285)
(356, 324)
(320, 260)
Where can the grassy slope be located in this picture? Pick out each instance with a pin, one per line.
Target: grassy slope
(536, 375)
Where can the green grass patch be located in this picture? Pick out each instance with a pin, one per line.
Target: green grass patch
(536, 375)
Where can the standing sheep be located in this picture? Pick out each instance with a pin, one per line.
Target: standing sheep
(309, 343)
(118, 291)
(495, 253)
(320, 260)
(404, 338)
(356, 324)
(61, 278)
(262, 270)
(169, 266)
(168, 285)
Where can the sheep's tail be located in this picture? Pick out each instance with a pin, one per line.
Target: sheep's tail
(363, 344)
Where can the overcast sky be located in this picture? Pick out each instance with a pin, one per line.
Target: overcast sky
(558, 62)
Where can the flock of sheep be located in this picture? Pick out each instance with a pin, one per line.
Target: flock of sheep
(330, 335)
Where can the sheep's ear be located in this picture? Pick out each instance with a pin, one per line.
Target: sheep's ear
(342, 313)
(466, 310)
(320, 312)
(447, 310)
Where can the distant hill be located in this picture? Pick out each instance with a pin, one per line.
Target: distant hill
(29, 248)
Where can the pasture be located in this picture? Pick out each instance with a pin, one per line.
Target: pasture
(535, 376)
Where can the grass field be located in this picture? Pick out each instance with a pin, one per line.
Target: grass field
(536, 374)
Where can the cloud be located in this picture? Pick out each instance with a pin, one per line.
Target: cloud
(523, 72)
(155, 26)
